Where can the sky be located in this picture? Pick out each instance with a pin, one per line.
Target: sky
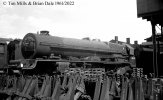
(97, 19)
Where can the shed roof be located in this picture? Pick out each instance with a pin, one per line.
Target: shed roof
(150, 10)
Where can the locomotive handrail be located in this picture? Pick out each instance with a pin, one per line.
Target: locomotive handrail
(15, 61)
(104, 62)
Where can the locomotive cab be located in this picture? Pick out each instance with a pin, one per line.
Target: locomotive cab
(3, 54)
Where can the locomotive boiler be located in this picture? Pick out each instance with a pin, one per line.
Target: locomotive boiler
(43, 45)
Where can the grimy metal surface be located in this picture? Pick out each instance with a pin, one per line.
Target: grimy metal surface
(43, 45)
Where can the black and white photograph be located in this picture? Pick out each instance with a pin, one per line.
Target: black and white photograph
(81, 49)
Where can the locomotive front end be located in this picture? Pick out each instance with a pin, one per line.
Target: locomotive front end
(28, 46)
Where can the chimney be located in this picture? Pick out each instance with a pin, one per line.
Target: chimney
(136, 42)
(116, 39)
(128, 40)
(86, 38)
(44, 32)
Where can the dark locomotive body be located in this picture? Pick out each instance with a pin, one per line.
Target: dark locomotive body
(3, 54)
(41, 52)
(38, 46)
(39, 56)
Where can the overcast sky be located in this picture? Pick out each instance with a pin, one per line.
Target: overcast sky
(100, 19)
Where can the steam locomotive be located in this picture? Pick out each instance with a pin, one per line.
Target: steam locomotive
(44, 52)
(41, 64)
